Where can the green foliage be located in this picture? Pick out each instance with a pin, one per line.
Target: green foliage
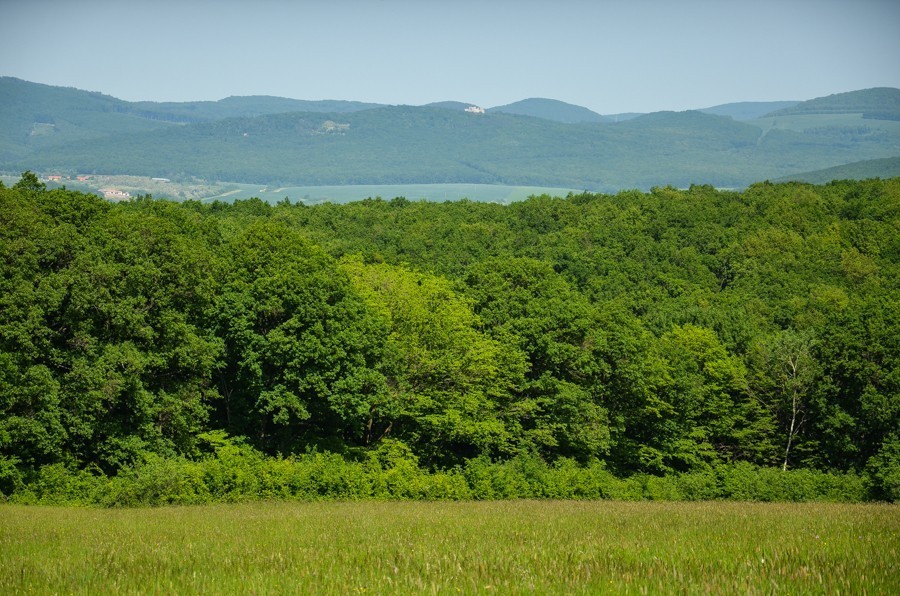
(448, 384)
(57, 484)
(677, 344)
(745, 482)
(29, 182)
(695, 410)
(236, 472)
(301, 348)
(11, 478)
(884, 470)
(526, 303)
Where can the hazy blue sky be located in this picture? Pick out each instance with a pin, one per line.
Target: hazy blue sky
(612, 57)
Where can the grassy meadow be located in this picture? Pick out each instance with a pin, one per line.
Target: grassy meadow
(443, 547)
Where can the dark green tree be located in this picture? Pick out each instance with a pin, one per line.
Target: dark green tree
(301, 349)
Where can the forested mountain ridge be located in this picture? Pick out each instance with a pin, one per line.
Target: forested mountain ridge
(748, 110)
(670, 332)
(430, 145)
(45, 103)
(35, 117)
(879, 103)
(67, 131)
(551, 109)
(861, 170)
(242, 107)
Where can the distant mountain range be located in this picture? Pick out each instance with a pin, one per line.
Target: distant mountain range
(538, 142)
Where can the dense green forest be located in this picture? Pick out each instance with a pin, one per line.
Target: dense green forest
(677, 335)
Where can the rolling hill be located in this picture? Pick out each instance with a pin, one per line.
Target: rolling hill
(50, 129)
(749, 110)
(459, 106)
(551, 109)
(243, 107)
(879, 103)
(861, 170)
(35, 117)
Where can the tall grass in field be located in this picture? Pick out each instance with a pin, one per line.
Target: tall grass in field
(451, 547)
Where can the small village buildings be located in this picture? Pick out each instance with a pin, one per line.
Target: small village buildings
(115, 194)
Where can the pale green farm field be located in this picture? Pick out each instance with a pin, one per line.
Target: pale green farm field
(422, 547)
(310, 195)
(805, 122)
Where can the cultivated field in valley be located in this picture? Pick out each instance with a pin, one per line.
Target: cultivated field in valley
(310, 195)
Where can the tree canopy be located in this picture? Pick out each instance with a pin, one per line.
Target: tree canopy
(664, 332)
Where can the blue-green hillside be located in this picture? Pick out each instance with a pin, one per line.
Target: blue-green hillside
(281, 142)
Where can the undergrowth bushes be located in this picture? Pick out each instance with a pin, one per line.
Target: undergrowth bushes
(236, 472)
